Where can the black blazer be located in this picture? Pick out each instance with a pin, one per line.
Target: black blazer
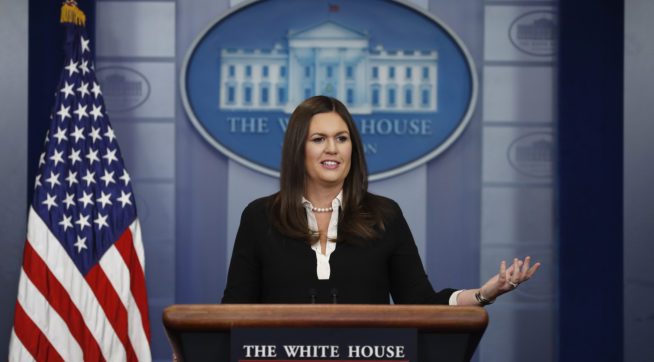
(267, 267)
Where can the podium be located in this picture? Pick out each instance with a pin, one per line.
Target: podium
(199, 332)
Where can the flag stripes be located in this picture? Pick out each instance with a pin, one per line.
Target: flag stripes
(36, 343)
(38, 276)
(95, 294)
(112, 307)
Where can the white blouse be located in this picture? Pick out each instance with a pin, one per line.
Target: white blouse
(323, 269)
(322, 266)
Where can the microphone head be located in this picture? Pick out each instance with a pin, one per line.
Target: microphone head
(334, 293)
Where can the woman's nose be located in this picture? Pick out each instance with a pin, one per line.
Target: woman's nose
(330, 146)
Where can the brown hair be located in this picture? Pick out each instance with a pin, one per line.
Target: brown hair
(359, 217)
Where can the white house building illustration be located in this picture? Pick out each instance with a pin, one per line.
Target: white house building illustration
(330, 59)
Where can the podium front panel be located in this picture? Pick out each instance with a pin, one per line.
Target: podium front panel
(443, 333)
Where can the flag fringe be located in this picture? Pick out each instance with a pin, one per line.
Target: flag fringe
(72, 14)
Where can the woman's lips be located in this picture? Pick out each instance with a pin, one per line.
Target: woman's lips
(330, 164)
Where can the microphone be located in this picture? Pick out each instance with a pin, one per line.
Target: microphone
(312, 294)
(334, 292)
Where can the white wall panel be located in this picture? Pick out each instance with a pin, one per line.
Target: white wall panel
(503, 42)
(518, 165)
(148, 149)
(518, 154)
(136, 89)
(517, 334)
(519, 93)
(135, 29)
(155, 205)
(13, 156)
(638, 181)
(510, 214)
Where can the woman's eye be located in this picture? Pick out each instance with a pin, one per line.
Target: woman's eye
(342, 138)
(317, 139)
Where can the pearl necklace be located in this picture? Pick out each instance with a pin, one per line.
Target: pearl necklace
(322, 209)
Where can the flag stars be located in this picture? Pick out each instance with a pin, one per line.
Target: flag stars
(68, 201)
(92, 156)
(108, 177)
(60, 135)
(85, 44)
(125, 177)
(110, 156)
(53, 179)
(104, 199)
(89, 178)
(65, 222)
(71, 68)
(78, 134)
(71, 178)
(83, 88)
(50, 201)
(68, 90)
(63, 112)
(86, 199)
(80, 111)
(124, 198)
(95, 134)
(74, 156)
(85, 68)
(96, 90)
(57, 157)
(101, 221)
(83, 221)
(96, 112)
(80, 195)
(110, 134)
(80, 244)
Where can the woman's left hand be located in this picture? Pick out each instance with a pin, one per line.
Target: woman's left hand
(508, 279)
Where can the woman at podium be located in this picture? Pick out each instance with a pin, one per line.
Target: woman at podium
(323, 238)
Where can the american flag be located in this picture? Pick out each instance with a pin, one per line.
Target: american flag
(81, 293)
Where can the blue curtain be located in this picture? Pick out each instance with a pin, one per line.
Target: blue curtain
(46, 57)
(590, 123)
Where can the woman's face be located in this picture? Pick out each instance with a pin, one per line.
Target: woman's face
(328, 150)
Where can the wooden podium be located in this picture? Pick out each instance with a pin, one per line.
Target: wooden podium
(202, 332)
